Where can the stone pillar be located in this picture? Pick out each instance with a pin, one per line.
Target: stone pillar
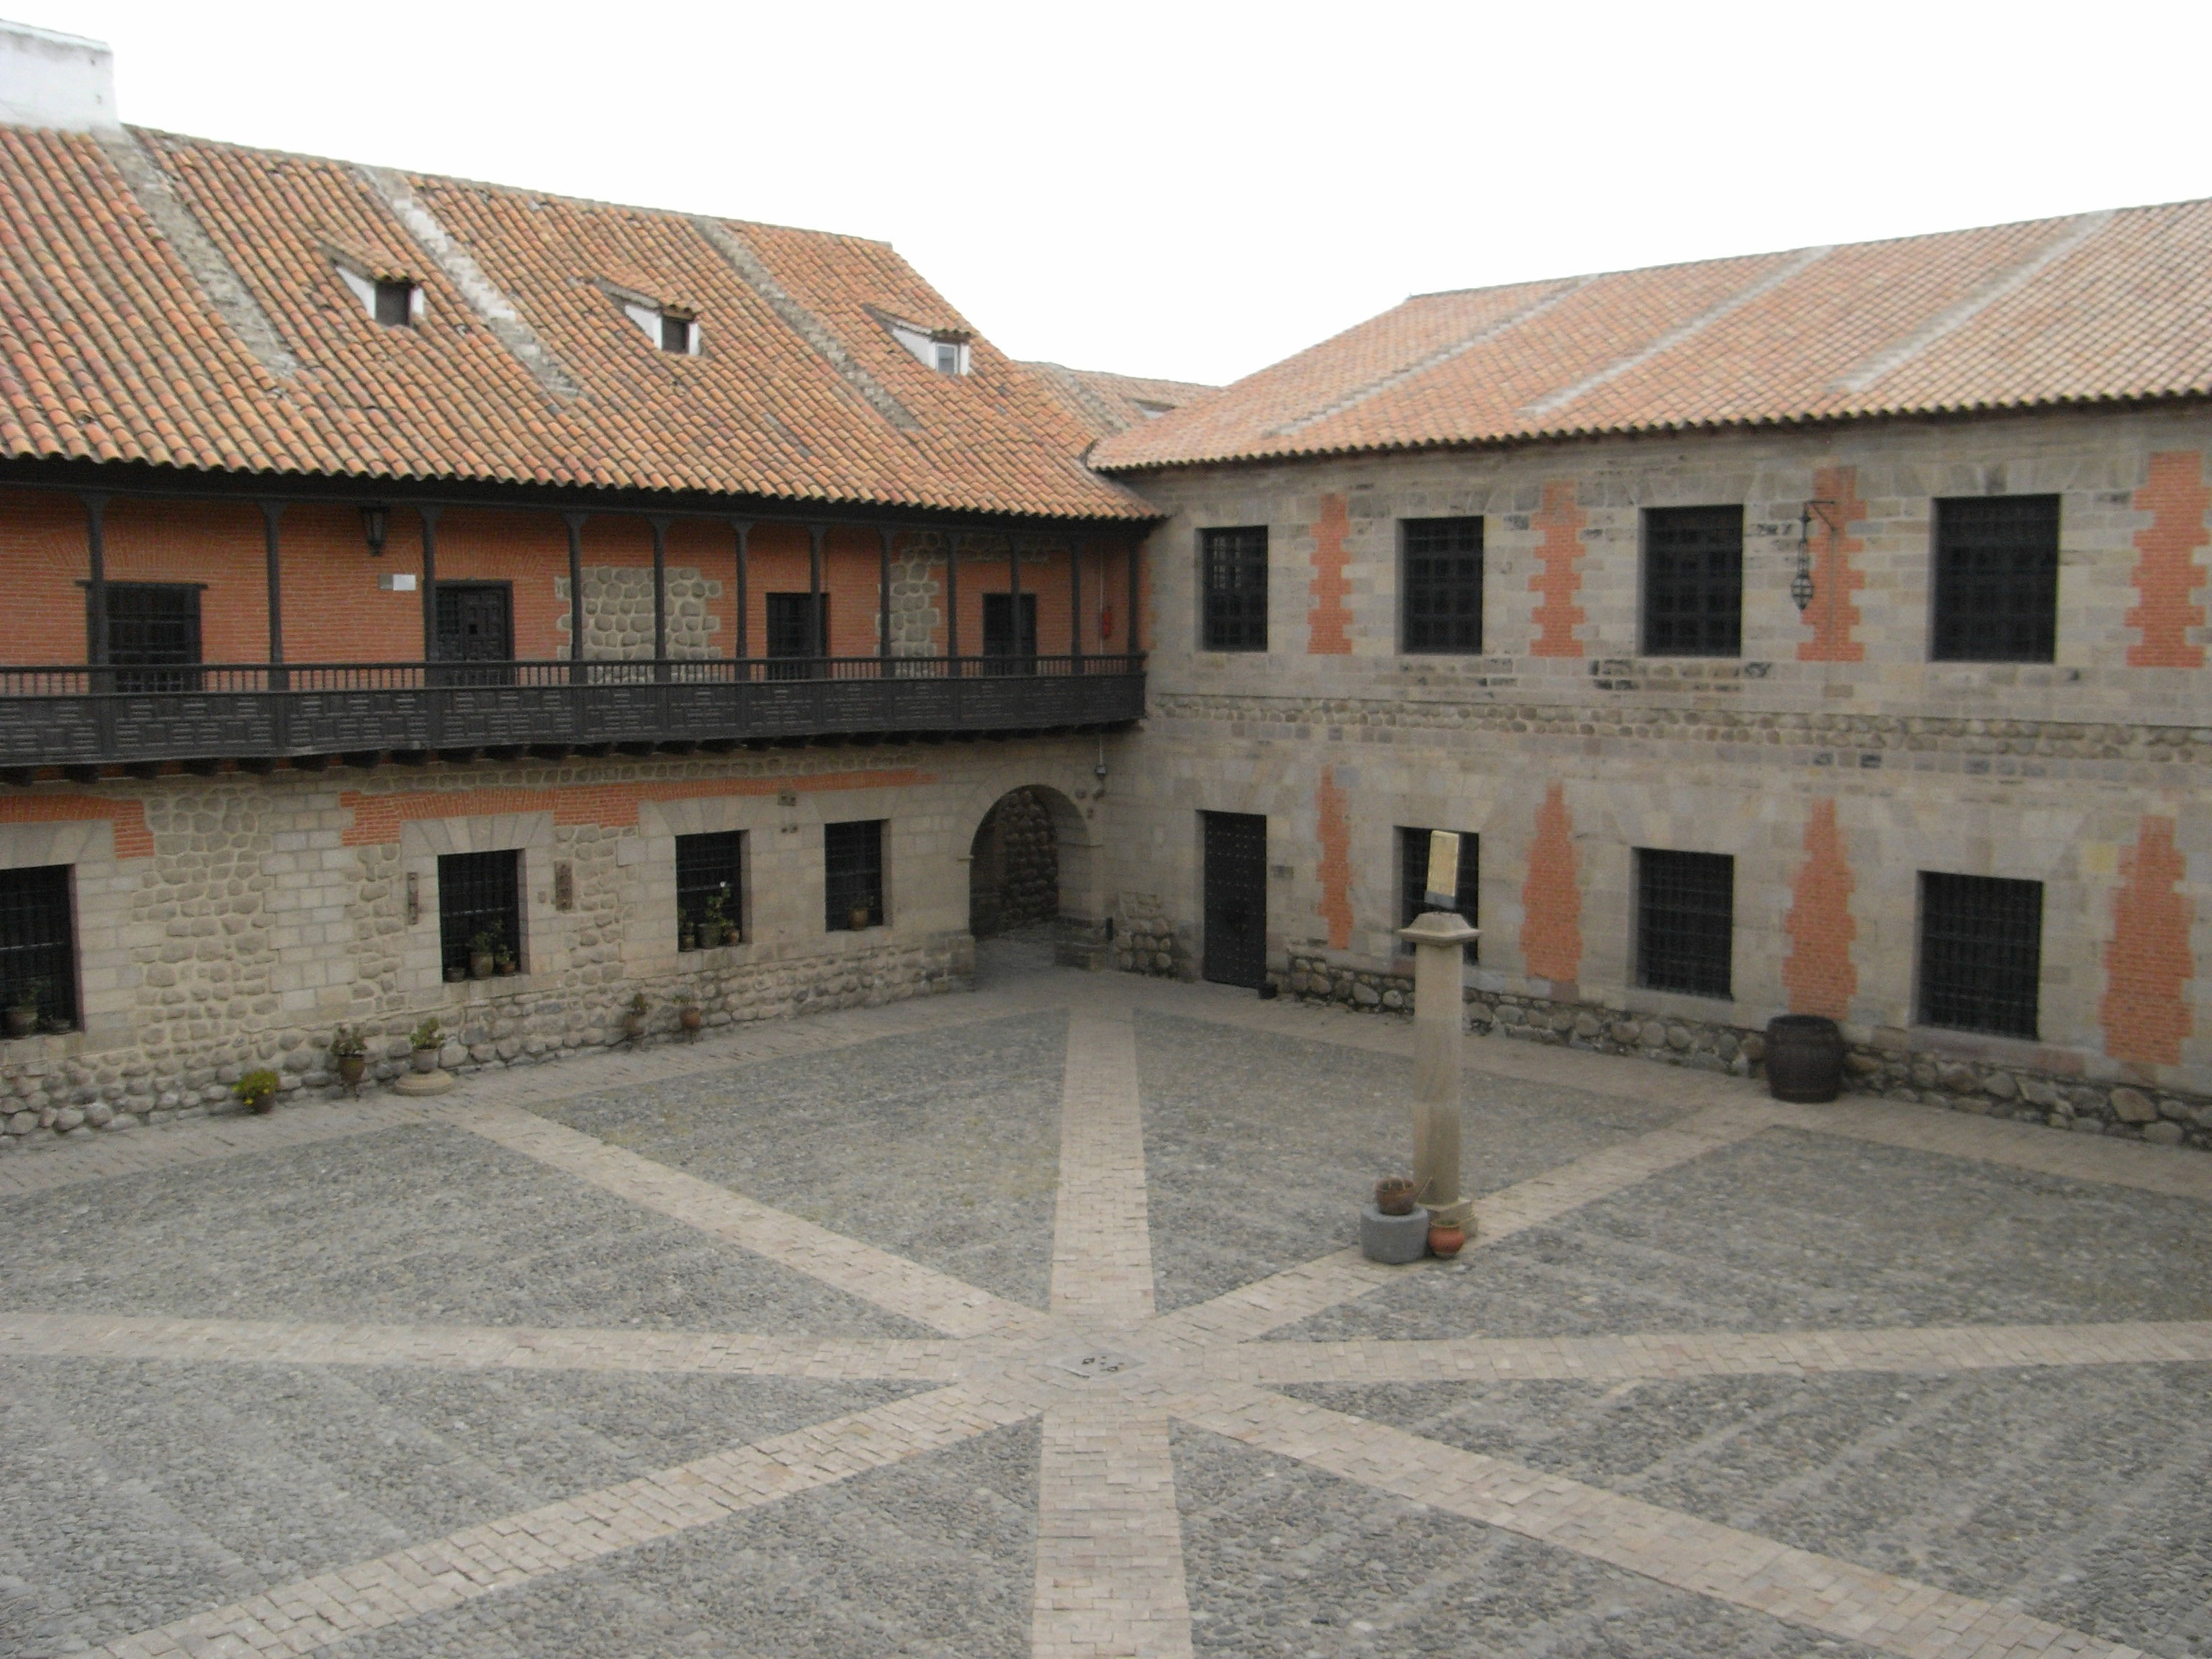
(1438, 939)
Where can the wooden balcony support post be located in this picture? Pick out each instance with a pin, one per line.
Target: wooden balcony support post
(1075, 606)
(884, 596)
(819, 640)
(1130, 637)
(659, 596)
(952, 598)
(575, 523)
(1013, 600)
(743, 530)
(95, 587)
(272, 513)
(429, 516)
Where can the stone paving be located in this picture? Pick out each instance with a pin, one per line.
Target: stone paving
(1024, 1323)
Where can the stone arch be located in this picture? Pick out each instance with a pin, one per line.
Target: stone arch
(1077, 856)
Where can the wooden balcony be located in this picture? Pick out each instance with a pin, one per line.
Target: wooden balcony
(77, 718)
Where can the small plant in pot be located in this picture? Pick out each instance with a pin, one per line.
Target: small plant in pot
(687, 932)
(719, 929)
(1394, 1196)
(858, 918)
(349, 1048)
(689, 1015)
(483, 954)
(423, 1044)
(508, 965)
(22, 1010)
(256, 1091)
(633, 1020)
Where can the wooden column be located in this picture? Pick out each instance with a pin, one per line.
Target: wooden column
(952, 599)
(271, 514)
(815, 627)
(883, 595)
(659, 596)
(1075, 606)
(1131, 639)
(744, 531)
(429, 516)
(95, 587)
(575, 523)
(1014, 605)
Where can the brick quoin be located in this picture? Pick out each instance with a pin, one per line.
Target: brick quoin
(1833, 616)
(1559, 580)
(133, 840)
(2166, 574)
(1552, 897)
(1328, 623)
(1818, 976)
(1335, 859)
(2145, 1011)
(377, 819)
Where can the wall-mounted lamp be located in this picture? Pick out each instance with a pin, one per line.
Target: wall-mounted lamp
(375, 523)
(1801, 585)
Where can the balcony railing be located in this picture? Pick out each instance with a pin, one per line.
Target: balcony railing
(79, 716)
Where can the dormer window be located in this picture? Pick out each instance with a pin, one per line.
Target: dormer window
(391, 299)
(673, 328)
(676, 333)
(944, 349)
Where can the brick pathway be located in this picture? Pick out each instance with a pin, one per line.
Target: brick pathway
(1106, 1376)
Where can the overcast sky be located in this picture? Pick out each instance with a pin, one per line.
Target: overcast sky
(1196, 190)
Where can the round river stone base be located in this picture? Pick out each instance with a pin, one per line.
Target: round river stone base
(1395, 1239)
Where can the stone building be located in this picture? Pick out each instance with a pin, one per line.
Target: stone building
(1819, 632)
(437, 601)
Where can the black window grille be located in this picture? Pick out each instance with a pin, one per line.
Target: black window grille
(1693, 581)
(853, 874)
(798, 630)
(154, 635)
(1235, 584)
(1414, 882)
(479, 897)
(1996, 579)
(37, 945)
(395, 304)
(1004, 650)
(710, 882)
(675, 333)
(1981, 953)
(1440, 585)
(1685, 921)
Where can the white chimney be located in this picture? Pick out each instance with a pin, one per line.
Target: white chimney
(49, 80)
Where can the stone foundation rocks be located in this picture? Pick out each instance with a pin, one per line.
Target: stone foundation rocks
(2161, 1117)
(1145, 941)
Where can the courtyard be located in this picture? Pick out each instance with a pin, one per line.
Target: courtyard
(1024, 1322)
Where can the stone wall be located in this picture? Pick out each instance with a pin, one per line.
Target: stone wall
(618, 611)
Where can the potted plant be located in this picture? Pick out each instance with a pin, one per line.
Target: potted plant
(483, 954)
(349, 1048)
(1394, 1196)
(507, 964)
(256, 1091)
(718, 928)
(455, 973)
(689, 1015)
(1447, 1238)
(22, 1010)
(633, 1021)
(858, 918)
(423, 1043)
(687, 932)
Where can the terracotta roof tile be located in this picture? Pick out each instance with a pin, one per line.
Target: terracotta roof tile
(2099, 308)
(110, 349)
(1107, 404)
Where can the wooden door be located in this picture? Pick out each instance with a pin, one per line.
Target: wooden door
(1235, 898)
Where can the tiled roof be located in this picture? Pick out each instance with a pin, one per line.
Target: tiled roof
(2107, 307)
(1108, 404)
(199, 320)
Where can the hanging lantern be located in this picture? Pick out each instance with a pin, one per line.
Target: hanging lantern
(373, 526)
(1800, 585)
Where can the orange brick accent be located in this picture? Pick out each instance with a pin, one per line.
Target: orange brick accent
(1552, 897)
(1560, 581)
(2144, 1013)
(133, 840)
(1335, 859)
(1833, 616)
(1328, 623)
(377, 819)
(1818, 976)
(2165, 574)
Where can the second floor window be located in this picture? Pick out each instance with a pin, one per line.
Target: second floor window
(1440, 586)
(1233, 580)
(1995, 579)
(1693, 581)
(154, 635)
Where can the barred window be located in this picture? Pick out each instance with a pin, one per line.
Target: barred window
(710, 882)
(479, 899)
(1693, 581)
(1414, 882)
(853, 875)
(1981, 953)
(1440, 585)
(1685, 921)
(154, 634)
(1235, 580)
(38, 943)
(1996, 579)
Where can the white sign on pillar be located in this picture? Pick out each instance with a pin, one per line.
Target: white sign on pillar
(1443, 892)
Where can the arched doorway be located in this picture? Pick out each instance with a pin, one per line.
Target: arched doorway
(1013, 865)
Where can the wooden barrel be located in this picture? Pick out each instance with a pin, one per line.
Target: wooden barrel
(1804, 1058)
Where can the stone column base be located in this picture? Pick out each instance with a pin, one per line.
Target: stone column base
(423, 1083)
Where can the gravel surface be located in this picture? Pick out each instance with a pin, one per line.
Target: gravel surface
(1260, 1151)
(943, 1148)
(1796, 1231)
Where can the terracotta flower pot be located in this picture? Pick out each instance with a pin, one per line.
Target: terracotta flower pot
(423, 1060)
(632, 1025)
(1394, 1196)
(732, 936)
(352, 1068)
(480, 964)
(22, 1022)
(692, 1018)
(858, 918)
(1446, 1240)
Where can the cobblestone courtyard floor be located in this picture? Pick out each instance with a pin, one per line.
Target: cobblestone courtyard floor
(1023, 1323)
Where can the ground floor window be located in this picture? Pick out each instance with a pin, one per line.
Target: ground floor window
(710, 888)
(38, 946)
(853, 875)
(1981, 953)
(1685, 921)
(1413, 881)
(479, 907)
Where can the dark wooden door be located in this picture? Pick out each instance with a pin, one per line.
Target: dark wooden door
(798, 633)
(154, 635)
(1235, 898)
(1005, 650)
(475, 625)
